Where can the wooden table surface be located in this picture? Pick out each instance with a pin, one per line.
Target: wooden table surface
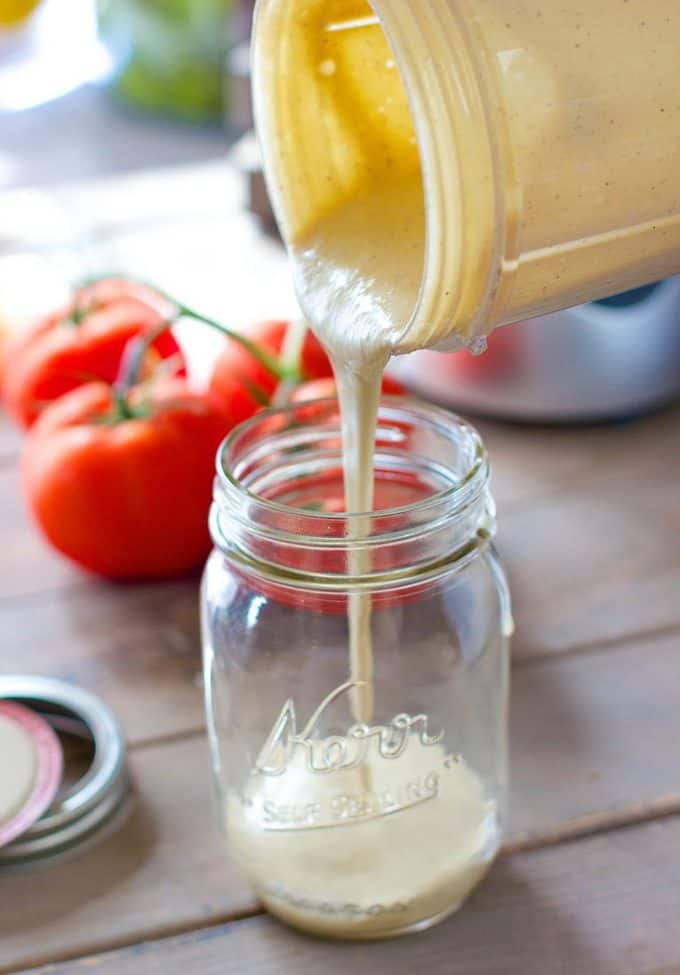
(589, 880)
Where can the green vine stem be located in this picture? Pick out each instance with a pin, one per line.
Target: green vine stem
(134, 355)
(285, 372)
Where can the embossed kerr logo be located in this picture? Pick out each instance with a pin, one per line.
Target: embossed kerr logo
(337, 752)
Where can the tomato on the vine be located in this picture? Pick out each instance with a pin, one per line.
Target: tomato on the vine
(82, 343)
(245, 385)
(121, 484)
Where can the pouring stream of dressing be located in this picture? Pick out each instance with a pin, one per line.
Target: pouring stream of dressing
(359, 395)
(359, 323)
(356, 322)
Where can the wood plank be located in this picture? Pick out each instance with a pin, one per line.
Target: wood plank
(138, 647)
(163, 868)
(597, 564)
(588, 521)
(608, 905)
(593, 740)
(531, 462)
(28, 565)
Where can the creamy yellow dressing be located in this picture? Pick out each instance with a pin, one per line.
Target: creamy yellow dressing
(337, 857)
(357, 231)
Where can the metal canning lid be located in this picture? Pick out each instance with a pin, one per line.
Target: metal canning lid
(98, 794)
(34, 776)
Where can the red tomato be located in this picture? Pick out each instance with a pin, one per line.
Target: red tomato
(244, 384)
(325, 388)
(81, 343)
(127, 498)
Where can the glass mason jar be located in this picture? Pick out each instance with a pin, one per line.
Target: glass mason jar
(366, 801)
(530, 148)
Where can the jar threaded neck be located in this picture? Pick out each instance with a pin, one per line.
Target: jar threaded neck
(278, 500)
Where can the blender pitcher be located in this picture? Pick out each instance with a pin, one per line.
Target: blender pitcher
(542, 141)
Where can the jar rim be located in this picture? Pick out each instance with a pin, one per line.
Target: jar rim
(466, 486)
(419, 446)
